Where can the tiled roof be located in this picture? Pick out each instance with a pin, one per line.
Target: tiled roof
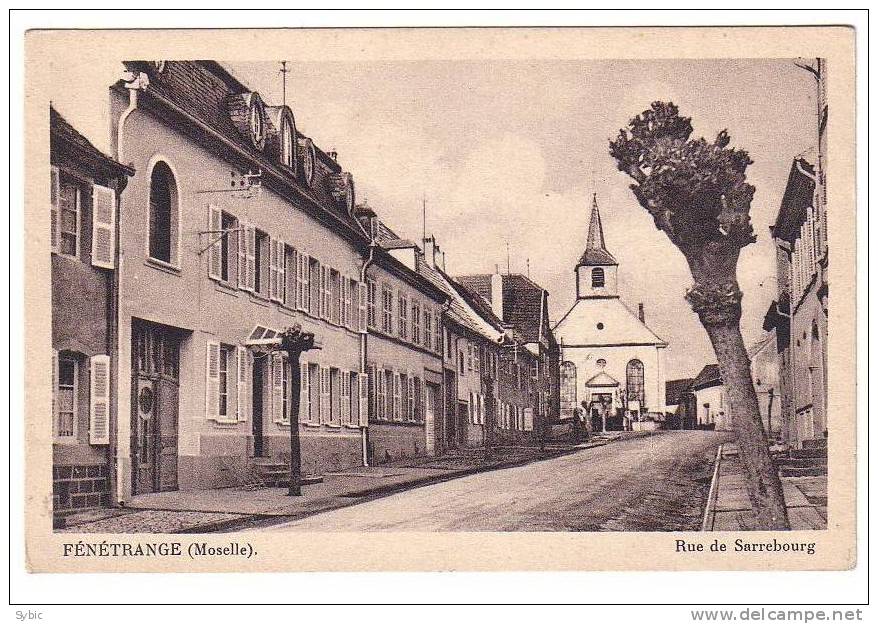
(708, 377)
(798, 195)
(62, 130)
(203, 90)
(477, 284)
(675, 389)
(523, 307)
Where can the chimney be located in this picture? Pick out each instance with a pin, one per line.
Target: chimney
(333, 155)
(430, 251)
(640, 313)
(497, 295)
(443, 263)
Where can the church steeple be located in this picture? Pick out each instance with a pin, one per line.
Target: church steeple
(596, 269)
(596, 253)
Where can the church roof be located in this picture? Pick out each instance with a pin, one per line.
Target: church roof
(603, 322)
(596, 253)
(602, 380)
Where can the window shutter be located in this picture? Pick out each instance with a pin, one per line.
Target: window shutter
(272, 269)
(55, 214)
(291, 276)
(103, 231)
(242, 255)
(250, 252)
(214, 256)
(324, 394)
(301, 281)
(212, 381)
(281, 271)
(361, 306)
(304, 403)
(397, 396)
(241, 370)
(277, 388)
(411, 397)
(363, 402)
(325, 299)
(99, 409)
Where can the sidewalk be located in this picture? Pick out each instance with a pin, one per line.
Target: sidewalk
(729, 509)
(202, 511)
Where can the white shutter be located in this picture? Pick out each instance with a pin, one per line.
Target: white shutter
(242, 255)
(211, 385)
(363, 402)
(304, 397)
(241, 376)
(250, 257)
(277, 387)
(99, 408)
(324, 394)
(103, 231)
(301, 281)
(55, 214)
(272, 270)
(281, 271)
(214, 256)
(362, 311)
(397, 396)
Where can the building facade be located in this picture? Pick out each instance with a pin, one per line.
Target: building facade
(527, 371)
(236, 227)
(799, 316)
(765, 371)
(711, 400)
(85, 189)
(616, 360)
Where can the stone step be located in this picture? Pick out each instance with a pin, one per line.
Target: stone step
(814, 443)
(813, 471)
(807, 452)
(802, 462)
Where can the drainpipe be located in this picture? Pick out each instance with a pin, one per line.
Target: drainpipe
(364, 431)
(135, 82)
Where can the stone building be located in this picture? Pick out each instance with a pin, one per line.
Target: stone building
(85, 189)
(616, 359)
(235, 227)
(528, 368)
(711, 399)
(799, 316)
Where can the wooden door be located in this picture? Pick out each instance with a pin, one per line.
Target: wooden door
(167, 431)
(144, 446)
(258, 404)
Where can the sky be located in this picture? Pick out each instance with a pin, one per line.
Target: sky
(510, 152)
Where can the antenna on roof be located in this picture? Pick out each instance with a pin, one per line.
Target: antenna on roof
(284, 71)
(528, 268)
(508, 270)
(424, 219)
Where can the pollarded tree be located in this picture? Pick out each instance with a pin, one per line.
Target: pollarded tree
(697, 193)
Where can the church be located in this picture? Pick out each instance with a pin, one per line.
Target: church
(612, 363)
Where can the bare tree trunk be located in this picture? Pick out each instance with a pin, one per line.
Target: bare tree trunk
(719, 309)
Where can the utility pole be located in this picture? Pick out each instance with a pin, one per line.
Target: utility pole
(295, 341)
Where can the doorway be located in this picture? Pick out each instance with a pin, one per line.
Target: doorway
(258, 394)
(155, 385)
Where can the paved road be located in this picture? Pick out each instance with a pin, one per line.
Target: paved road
(655, 483)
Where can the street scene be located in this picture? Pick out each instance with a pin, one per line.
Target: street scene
(453, 305)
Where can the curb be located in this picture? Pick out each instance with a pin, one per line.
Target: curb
(709, 512)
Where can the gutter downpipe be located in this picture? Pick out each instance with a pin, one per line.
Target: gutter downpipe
(138, 82)
(364, 431)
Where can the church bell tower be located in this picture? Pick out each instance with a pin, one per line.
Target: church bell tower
(596, 272)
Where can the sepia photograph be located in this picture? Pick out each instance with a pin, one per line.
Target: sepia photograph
(440, 295)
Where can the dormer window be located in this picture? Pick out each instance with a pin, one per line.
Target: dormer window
(257, 126)
(287, 142)
(309, 158)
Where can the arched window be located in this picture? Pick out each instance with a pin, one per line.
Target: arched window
(634, 381)
(163, 214)
(597, 278)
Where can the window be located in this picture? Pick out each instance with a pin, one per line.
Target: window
(402, 307)
(163, 214)
(371, 296)
(461, 366)
(597, 278)
(66, 398)
(261, 275)
(70, 213)
(634, 381)
(348, 290)
(314, 297)
(601, 362)
(256, 120)
(229, 223)
(428, 329)
(291, 276)
(416, 322)
(287, 142)
(335, 392)
(387, 309)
